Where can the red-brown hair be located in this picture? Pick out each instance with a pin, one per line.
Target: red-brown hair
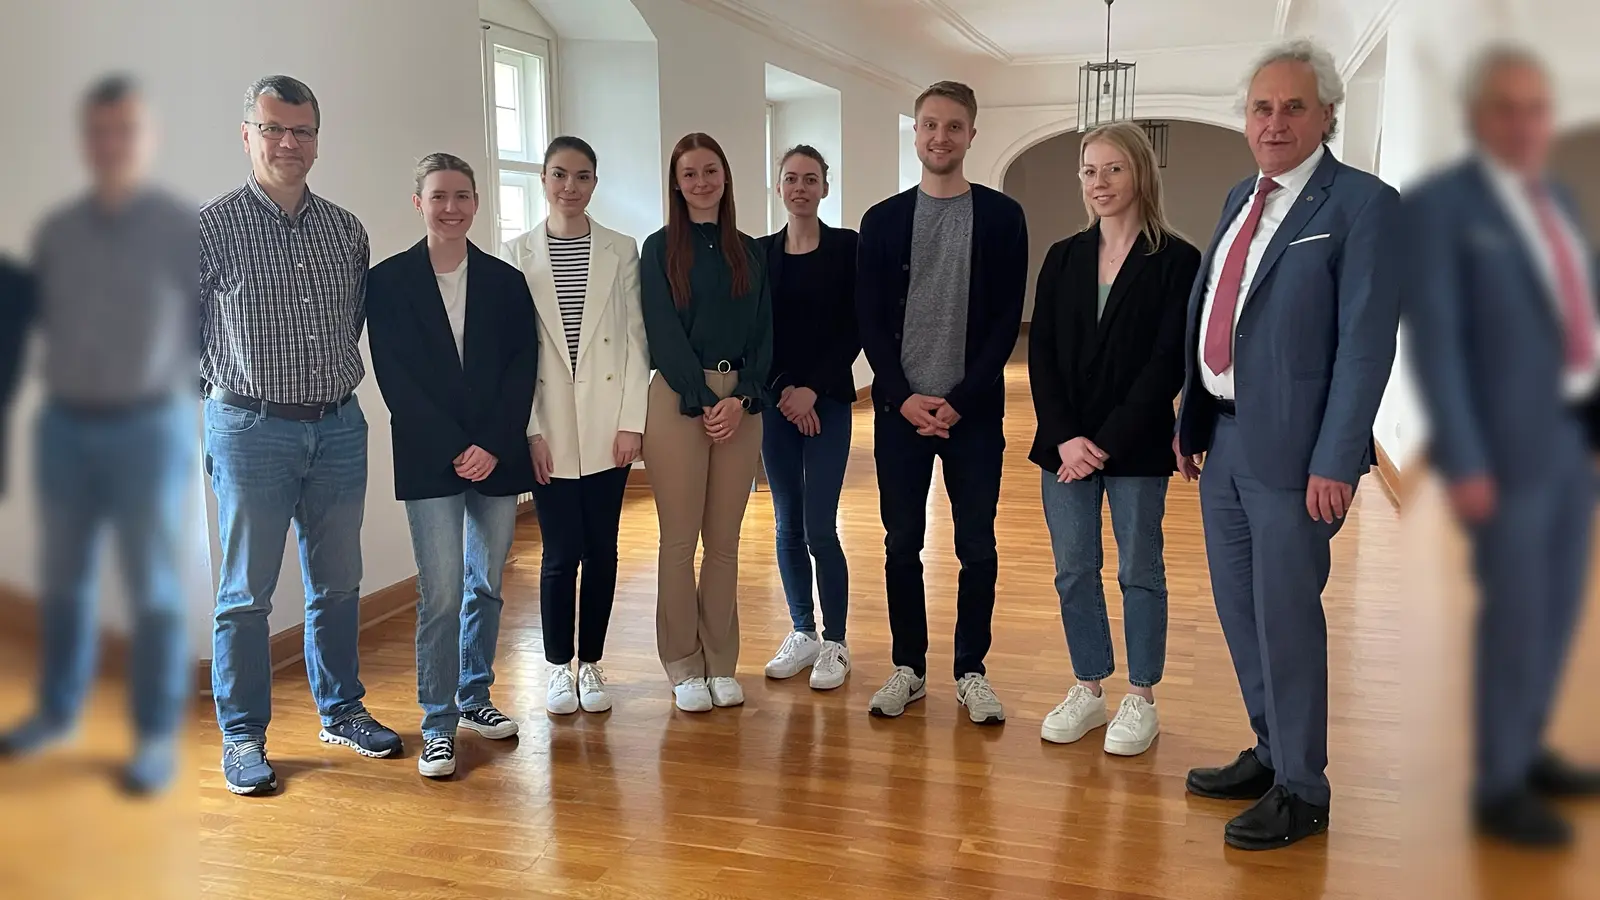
(680, 237)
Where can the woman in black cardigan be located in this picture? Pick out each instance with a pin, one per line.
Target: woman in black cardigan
(455, 349)
(1105, 360)
(805, 439)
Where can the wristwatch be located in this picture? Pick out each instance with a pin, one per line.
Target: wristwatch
(745, 402)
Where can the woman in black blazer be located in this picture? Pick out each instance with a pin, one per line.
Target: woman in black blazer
(805, 438)
(1105, 360)
(455, 348)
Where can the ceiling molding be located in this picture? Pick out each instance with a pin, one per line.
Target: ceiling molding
(1136, 55)
(1371, 36)
(1280, 17)
(760, 22)
(966, 29)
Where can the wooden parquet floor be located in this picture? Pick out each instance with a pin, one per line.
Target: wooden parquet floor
(801, 794)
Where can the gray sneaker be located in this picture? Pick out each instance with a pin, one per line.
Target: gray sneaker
(983, 707)
(245, 766)
(902, 688)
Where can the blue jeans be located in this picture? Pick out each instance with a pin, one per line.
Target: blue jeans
(129, 471)
(1072, 511)
(266, 473)
(806, 475)
(461, 544)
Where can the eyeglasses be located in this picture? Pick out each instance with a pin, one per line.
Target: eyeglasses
(275, 133)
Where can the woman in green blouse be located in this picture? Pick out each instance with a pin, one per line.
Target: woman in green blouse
(708, 320)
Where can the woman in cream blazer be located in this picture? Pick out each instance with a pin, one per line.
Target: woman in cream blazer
(588, 416)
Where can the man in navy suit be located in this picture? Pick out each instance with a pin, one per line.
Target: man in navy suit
(1292, 328)
(1507, 341)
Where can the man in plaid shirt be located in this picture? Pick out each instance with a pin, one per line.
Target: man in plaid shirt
(283, 281)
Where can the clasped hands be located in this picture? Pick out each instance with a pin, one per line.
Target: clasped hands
(932, 416)
(722, 420)
(799, 406)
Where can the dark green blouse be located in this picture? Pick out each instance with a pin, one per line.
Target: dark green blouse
(715, 326)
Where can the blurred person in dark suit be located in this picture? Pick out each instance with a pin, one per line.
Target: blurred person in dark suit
(1503, 322)
(1292, 329)
(115, 303)
(16, 306)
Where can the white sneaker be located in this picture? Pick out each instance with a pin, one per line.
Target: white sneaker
(1076, 716)
(592, 688)
(832, 665)
(1134, 728)
(983, 707)
(726, 692)
(438, 759)
(561, 697)
(691, 695)
(902, 688)
(798, 652)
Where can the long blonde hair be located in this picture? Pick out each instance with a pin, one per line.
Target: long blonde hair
(1135, 145)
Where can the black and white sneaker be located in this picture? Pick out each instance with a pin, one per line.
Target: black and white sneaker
(438, 758)
(362, 733)
(489, 722)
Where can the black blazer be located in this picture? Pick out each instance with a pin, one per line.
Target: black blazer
(16, 311)
(815, 343)
(439, 407)
(1112, 380)
(994, 298)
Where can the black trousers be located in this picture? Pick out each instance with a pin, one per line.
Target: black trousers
(972, 458)
(578, 523)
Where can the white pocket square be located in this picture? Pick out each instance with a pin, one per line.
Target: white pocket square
(1314, 237)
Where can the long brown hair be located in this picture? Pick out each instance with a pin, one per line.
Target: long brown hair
(1135, 145)
(680, 237)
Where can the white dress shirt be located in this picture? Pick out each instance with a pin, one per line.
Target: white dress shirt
(1512, 190)
(453, 288)
(1279, 202)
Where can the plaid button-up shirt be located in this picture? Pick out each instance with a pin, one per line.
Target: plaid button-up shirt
(283, 298)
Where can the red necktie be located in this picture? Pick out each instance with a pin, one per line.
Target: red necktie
(1578, 325)
(1218, 350)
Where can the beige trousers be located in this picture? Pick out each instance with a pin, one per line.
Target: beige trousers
(701, 490)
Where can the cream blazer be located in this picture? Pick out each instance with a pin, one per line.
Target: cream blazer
(579, 410)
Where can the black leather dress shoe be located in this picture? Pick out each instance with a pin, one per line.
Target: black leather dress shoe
(1558, 779)
(1524, 819)
(1243, 779)
(1277, 820)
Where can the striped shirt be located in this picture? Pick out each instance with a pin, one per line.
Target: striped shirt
(283, 298)
(569, 265)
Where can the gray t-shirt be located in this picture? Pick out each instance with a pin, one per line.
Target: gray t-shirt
(933, 351)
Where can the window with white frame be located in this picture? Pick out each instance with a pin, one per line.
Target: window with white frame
(517, 91)
(775, 211)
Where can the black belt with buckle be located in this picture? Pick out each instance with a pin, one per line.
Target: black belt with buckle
(1226, 408)
(295, 412)
(728, 366)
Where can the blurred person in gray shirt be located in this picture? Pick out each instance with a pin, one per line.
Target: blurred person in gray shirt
(114, 302)
(1505, 329)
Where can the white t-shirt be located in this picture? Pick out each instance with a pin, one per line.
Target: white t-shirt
(453, 288)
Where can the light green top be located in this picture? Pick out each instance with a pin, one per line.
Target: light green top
(1105, 294)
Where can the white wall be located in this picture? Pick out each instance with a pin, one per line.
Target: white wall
(609, 97)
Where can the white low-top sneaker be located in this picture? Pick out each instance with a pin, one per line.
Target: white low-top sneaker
(1076, 716)
(561, 696)
(1134, 728)
(902, 688)
(592, 694)
(692, 695)
(726, 692)
(798, 652)
(831, 667)
(983, 707)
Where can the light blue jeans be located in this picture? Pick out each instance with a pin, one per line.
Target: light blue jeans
(1072, 511)
(461, 545)
(267, 473)
(127, 472)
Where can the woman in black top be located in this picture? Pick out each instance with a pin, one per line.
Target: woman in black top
(708, 323)
(453, 346)
(1105, 359)
(805, 443)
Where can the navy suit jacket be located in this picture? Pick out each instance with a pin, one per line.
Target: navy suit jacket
(1485, 334)
(1316, 339)
(16, 309)
(994, 299)
(441, 403)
